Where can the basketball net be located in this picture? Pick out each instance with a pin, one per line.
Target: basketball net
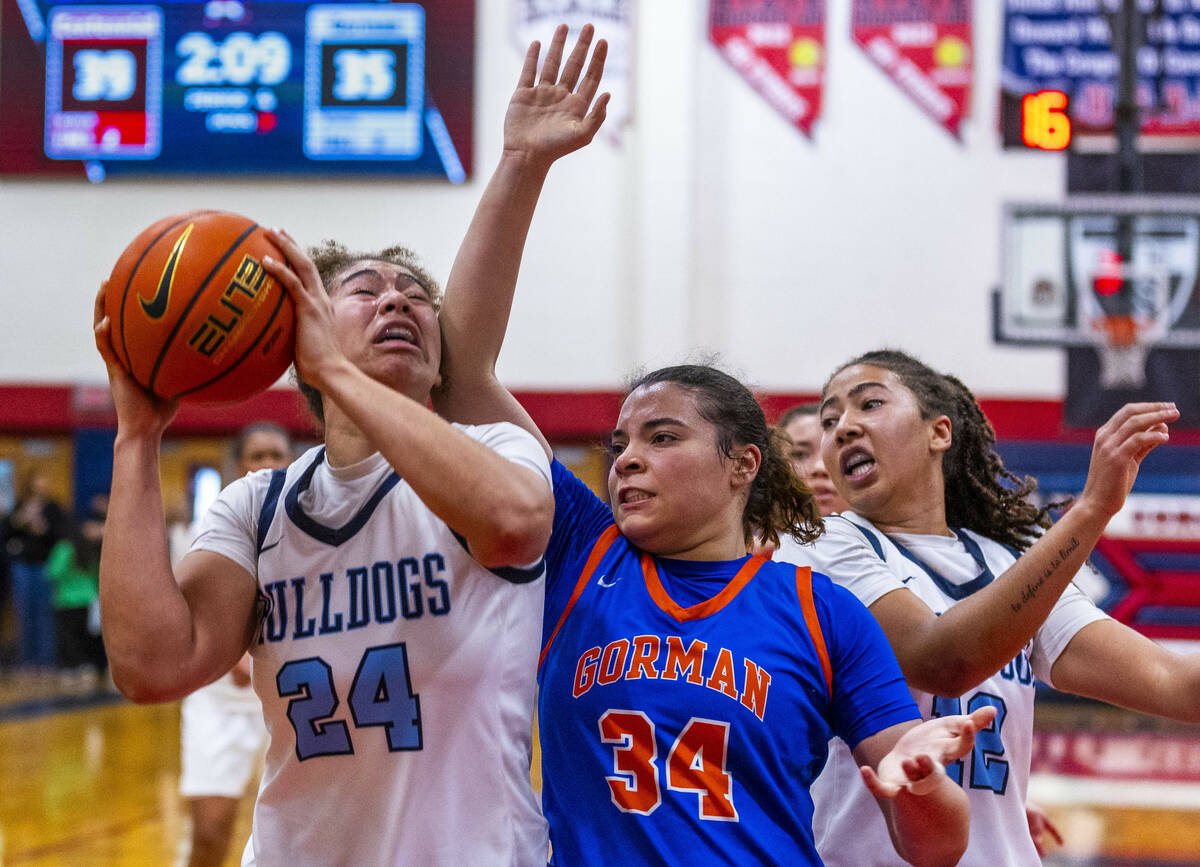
(1122, 351)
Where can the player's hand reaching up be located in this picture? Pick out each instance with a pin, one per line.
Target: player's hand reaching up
(549, 114)
(1119, 448)
(916, 764)
(139, 413)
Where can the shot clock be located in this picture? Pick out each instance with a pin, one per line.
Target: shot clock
(1060, 75)
(236, 87)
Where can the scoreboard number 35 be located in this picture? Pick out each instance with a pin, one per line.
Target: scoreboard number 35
(364, 89)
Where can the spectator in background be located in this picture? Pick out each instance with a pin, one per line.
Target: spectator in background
(7, 640)
(73, 570)
(180, 528)
(222, 730)
(36, 523)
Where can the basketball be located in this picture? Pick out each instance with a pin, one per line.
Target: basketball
(195, 315)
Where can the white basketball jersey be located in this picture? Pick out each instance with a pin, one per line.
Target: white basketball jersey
(849, 827)
(396, 674)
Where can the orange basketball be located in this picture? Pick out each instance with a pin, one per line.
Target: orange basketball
(195, 315)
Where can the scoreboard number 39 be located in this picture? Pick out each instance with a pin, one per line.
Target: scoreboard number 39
(104, 83)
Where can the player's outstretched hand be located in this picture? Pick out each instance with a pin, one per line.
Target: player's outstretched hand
(316, 346)
(139, 412)
(917, 762)
(553, 114)
(1120, 445)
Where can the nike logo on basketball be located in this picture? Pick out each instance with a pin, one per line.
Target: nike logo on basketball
(605, 581)
(157, 306)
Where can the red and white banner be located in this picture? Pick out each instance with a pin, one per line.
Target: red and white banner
(778, 47)
(925, 47)
(613, 19)
(1153, 756)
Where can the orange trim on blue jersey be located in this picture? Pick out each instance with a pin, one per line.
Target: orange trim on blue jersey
(599, 549)
(702, 609)
(804, 591)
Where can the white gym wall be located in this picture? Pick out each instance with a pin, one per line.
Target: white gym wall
(715, 226)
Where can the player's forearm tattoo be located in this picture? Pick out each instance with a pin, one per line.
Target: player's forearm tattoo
(1029, 591)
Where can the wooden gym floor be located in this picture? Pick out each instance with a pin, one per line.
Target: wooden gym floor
(86, 778)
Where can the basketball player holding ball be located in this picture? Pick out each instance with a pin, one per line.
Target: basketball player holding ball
(387, 583)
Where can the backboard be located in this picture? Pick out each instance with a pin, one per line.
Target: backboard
(1118, 274)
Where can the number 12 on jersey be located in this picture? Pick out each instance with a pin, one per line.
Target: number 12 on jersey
(695, 763)
(989, 770)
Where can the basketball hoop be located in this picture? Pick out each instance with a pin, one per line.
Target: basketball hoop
(1122, 351)
(1122, 330)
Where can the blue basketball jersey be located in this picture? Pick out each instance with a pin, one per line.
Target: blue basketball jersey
(685, 707)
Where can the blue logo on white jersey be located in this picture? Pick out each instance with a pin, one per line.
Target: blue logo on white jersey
(409, 588)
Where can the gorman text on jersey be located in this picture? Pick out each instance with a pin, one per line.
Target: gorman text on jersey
(651, 657)
(410, 588)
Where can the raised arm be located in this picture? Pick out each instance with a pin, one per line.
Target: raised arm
(503, 509)
(904, 767)
(549, 116)
(164, 637)
(975, 638)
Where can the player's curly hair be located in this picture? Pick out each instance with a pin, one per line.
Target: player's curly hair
(980, 494)
(779, 501)
(333, 259)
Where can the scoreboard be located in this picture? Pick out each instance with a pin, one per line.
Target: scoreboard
(236, 86)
